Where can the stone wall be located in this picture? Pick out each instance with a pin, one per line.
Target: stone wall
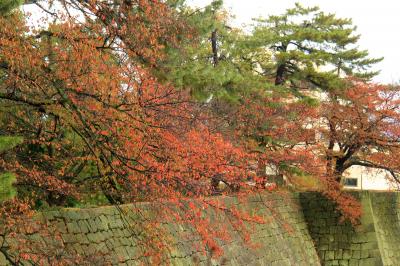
(302, 229)
(111, 235)
(385, 209)
(340, 243)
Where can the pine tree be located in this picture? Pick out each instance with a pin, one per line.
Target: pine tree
(215, 61)
(311, 46)
(6, 6)
(7, 191)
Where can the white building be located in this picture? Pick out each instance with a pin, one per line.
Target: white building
(364, 178)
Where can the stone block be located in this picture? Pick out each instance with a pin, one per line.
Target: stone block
(92, 225)
(342, 237)
(354, 262)
(126, 241)
(121, 254)
(108, 211)
(110, 243)
(60, 226)
(84, 226)
(329, 255)
(78, 248)
(332, 263)
(104, 221)
(95, 237)
(115, 223)
(101, 224)
(73, 227)
(355, 246)
(116, 233)
(359, 238)
(356, 254)
(324, 240)
(369, 245)
(51, 215)
(344, 245)
(102, 248)
(373, 262)
(91, 249)
(84, 215)
(107, 234)
(338, 254)
(69, 238)
(364, 254)
(334, 246)
(132, 253)
(72, 215)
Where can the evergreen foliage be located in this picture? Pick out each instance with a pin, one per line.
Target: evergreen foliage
(311, 46)
(6, 6)
(7, 190)
(9, 142)
(220, 71)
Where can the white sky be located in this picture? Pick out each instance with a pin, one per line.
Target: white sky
(378, 23)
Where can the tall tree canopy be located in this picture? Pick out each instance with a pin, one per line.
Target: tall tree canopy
(83, 97)
(94, 119)
(127, 101)
(211, 62)
(306, 41)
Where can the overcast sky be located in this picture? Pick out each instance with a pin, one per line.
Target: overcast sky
(378, 23)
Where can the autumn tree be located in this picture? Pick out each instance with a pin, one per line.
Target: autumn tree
(87, 104)
(361, 128)
(145, 100)
(83, 95)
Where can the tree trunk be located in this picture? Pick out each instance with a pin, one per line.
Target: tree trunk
(339, 170)
(261, 174)
(280, 74)
(214, 47)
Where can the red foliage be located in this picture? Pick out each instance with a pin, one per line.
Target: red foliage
(82, 95)
(353, 126)
(359, 126)
(281, 133)
(82, 98)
